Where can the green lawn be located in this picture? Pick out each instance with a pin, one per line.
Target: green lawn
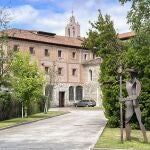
(111, 139)
(15, 121)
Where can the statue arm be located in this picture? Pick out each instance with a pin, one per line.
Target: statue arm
(128, 98)
(135, 96)
(138, 88)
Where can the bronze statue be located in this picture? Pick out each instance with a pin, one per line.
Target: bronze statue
(133, 88)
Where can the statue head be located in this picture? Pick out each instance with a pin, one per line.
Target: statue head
(133, 73)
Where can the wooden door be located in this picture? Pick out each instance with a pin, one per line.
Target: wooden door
(61, 99)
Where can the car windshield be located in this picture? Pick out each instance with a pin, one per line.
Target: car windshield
(85, 100)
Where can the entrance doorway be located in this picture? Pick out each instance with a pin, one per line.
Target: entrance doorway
(61, 99)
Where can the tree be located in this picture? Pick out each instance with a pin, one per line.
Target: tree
(6, 97)
(104, 37)
(27, 80)
(138, 54)
(52, 81)
(5, 52)
(139, 14)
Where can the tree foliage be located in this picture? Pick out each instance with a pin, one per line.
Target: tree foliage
(138, 55)
(104, 37)
(134, 53)
(27, 80)
(139, 14)
(5, 52)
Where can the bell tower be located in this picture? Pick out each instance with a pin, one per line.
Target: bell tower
(73, 28)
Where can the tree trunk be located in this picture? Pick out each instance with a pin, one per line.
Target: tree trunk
(25, 111)
(45, 107)
(22, 111)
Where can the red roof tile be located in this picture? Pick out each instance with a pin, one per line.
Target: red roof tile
(46, 38)
(51, 38)
(126, 35)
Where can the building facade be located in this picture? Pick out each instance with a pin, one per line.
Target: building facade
(71, 71)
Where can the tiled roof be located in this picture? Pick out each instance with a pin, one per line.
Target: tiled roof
(51, 38)
(44, 37)
(127, 35)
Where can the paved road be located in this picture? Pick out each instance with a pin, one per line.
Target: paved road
(77, 130)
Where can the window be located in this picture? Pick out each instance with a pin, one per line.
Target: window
(73, 29)
(59, 53)
(90, 75)
(73, 55)
(16, 48)
(46, 70)
(46, 52)
(59, 71)
(73, 33)
(85, 56)
(79, 92)
(31, 50)
(74, 72)
(71, 93)
(69, 32)
(93, 56)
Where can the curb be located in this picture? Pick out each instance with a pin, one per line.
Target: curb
(111, 149)
(98, 135)
(23, 123)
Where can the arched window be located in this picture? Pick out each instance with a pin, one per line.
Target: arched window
(90, 75)
(69, 32)
(71, 93)
(73, 29)
(79, 91)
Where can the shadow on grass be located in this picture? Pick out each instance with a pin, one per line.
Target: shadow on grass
(136, 139)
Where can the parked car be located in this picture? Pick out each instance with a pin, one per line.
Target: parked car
(85, 103)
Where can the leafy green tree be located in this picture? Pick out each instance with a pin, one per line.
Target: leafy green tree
(138, 55)
(104, 42)
(139, 14)
(6, 98)
(27, 80)
(5, 52)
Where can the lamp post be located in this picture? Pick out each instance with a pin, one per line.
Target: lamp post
(119, 71)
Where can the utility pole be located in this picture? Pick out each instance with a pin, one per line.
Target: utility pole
(120, 95)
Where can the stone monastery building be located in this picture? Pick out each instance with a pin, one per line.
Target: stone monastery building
(71, 71)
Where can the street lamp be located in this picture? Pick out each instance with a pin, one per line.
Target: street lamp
(119, 71)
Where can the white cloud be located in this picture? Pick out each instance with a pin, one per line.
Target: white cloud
(51, 21)
(24, 14)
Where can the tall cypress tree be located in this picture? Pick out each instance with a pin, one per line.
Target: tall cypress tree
(103, 41)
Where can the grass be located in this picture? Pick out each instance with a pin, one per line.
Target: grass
(35, 117)
(111, 139)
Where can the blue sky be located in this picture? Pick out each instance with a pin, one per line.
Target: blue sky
(53, 15)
